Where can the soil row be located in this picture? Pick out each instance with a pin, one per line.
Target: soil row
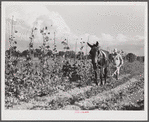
(128, 96)
(62, 99)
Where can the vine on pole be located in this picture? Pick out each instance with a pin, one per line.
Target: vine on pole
(11, 39)
(66, 46)
(31, 47)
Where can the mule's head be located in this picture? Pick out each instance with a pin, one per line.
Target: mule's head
(94, 51)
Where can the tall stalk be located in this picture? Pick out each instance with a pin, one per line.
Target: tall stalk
(31, 47)
(86, 48)
(82, 46)
(55, 49)
(66, 46)
(75, 50)
(11, 39)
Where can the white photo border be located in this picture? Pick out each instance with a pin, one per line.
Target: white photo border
(66, 114)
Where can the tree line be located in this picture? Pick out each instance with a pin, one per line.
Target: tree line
(130, 57)
(38, 52)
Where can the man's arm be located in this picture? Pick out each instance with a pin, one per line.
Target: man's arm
(121, 60)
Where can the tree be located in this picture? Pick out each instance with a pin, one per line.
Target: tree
(7, 52)
(25, 53)
(16, 53)
(61, 53)
(131, 57)
(140, 58)
(70, 54)
(49, 53)
(13, 52)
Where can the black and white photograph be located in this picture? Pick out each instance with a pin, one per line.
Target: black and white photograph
(74, 60)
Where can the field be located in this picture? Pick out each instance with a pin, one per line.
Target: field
(53, 53)
(60, 84)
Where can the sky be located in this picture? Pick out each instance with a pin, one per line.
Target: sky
(119, 26)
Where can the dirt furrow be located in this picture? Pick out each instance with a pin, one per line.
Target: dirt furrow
(61, 99)
(77, 94)
(118, 98)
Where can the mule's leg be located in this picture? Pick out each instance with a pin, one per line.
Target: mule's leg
(116, 76)
(105, 74)
(96, 78)
(95, 71)
(101, 75)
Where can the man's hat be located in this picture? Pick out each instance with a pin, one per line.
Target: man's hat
(115, 50)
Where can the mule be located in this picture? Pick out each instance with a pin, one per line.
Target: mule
(100, 59)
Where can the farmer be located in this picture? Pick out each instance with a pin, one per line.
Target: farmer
(117, 62)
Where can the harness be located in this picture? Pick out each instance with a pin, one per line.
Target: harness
(101, 55)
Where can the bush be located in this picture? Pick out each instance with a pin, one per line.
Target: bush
(131, 57)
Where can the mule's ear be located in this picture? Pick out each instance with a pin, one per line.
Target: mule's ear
(89, 45)
(97, 43)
